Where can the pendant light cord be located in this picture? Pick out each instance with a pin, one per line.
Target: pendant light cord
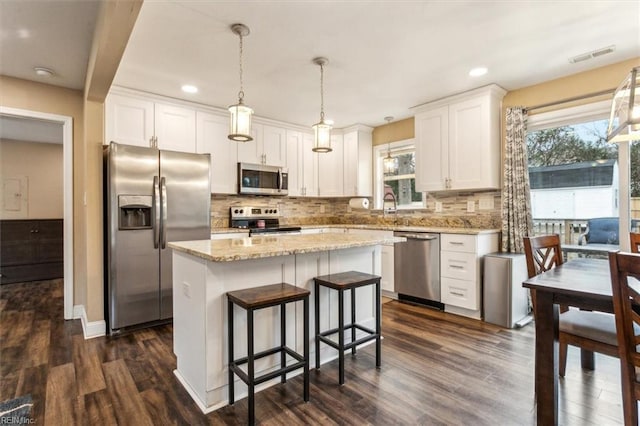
(321, 92)
(241, 92)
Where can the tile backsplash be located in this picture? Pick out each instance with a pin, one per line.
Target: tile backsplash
(325, 211)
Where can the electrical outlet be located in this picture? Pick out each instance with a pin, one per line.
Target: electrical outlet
(485, 203)
(438, 206)
(471, 206)
(186, 290)
(321, 208)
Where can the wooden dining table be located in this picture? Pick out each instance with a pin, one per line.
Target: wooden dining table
(583, 283)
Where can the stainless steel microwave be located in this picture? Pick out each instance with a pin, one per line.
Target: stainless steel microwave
(261, 179)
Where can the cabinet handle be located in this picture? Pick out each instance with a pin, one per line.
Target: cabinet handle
(455, 293)
(456, 243)
(456, 266)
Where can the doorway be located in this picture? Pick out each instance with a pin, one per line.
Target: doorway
(67, 183)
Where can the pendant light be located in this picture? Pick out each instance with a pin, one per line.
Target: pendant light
(321, 130)
(624, 122)
(389, 164)
(240, 114)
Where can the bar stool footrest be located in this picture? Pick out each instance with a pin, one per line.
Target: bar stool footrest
(235, 365)
(349, 345)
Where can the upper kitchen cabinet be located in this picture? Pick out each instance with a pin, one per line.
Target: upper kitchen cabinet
(211, 138)
(269, 146)
(302, 164)
(458, 141)
(136, 120)
(331, 169)
(358, 162)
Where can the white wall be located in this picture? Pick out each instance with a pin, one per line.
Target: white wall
(35, 170)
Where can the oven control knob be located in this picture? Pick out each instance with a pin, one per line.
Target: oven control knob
(235, 211)
(275, 211)
(241, 211)
(268, 210)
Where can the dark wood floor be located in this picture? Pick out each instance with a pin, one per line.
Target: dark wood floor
(437, 369)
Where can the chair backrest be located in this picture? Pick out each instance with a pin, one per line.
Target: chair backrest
(626, 296)
(603, 230)
(542, 253)
(635, 242)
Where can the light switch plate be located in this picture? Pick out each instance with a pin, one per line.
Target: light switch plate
(471, 206)
(438, 207)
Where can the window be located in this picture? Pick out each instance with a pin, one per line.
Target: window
(401, 183)
(576, 175)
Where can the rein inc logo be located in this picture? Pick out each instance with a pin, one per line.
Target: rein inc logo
(16, 411)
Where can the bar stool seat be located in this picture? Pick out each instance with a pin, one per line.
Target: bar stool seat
(252, 299)
(341, 282)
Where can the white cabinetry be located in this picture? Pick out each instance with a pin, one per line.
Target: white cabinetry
(138, 121)
(211, 138)
(458, 142)
(269, 146)
(358, 162)
(461, 271)
(331, 169)
(302, 163)
(387, 252)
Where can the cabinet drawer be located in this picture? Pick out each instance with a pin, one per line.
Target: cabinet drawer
(461, 293)
(462, 266)
(458, 242)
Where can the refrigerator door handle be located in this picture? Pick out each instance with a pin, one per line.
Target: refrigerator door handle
(156, 209)
(163, 197)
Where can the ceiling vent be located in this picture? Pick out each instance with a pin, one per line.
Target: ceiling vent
(593, 54)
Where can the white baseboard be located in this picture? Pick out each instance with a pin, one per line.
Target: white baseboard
(90, 329)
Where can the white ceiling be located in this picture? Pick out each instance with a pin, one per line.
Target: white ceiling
(385, 56)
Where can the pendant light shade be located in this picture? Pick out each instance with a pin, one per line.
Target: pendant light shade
(389, 164)
(240, 114)
(321, 130)
(624, 122)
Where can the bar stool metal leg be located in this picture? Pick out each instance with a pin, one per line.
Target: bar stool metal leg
(378, 326)
(353, 319)
(316, 298)
(283, 340)
(341, 335)
(306, 348)
(230, 353)
(250, 367)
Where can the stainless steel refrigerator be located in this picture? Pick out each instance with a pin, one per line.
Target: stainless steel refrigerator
(151, 197)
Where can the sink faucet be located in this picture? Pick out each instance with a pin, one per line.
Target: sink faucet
(389, 196)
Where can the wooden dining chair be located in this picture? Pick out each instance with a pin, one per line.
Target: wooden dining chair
(590, 331)
(635, 242)
(626, 305)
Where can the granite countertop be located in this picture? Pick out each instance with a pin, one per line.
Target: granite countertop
(228, 250)
(467, 231)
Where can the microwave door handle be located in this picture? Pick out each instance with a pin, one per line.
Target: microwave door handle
(163, 195)
(279, 180)
(156, 211)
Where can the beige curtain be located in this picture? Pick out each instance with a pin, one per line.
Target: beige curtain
(516, 199)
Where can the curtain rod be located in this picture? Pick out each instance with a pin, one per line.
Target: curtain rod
(575, 98)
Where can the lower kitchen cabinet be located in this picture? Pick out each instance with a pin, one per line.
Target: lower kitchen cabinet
(387, 266)
(31, 250)
(461, 271)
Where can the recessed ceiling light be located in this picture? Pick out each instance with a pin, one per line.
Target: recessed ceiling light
(188, 88)
(477, 72)
(43, 72)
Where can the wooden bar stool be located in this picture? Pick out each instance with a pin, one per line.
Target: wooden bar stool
(341, 282)
(252, 299)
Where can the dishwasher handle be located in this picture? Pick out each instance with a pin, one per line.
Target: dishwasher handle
(425, 237)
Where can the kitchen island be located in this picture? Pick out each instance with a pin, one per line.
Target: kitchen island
(203, 271)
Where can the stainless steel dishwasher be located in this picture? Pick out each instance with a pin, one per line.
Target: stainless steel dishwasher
(417, 268)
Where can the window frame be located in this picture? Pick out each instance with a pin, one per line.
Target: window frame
(379, 151)
(590, 112)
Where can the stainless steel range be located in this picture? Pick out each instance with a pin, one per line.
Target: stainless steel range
(260, 220)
